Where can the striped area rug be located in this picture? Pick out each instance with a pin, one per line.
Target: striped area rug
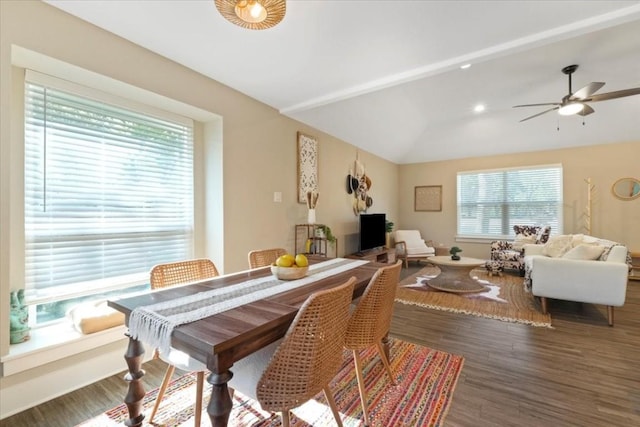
(425, 381)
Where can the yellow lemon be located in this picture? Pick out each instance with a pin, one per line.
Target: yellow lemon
(286, 260)
(301, 260)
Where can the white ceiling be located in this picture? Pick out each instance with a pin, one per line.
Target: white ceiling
(385, 77)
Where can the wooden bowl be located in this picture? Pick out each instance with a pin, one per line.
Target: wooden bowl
(289, 273)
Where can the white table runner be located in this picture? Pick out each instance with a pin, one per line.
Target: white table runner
(155, 323)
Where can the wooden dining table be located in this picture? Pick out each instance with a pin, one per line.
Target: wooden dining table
(224, 338)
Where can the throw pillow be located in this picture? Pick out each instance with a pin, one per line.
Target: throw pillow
(557, 246)
(94, 316)
(521, 240)
(584, 252)
(577, 239)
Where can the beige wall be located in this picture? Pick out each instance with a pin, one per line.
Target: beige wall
(612, 218)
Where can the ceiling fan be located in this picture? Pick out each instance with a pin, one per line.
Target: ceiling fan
(575, 102)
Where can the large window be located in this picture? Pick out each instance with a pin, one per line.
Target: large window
(108, 194)
(490, 202)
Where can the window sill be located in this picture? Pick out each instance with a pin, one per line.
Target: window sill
(53, 343)
(478, 239)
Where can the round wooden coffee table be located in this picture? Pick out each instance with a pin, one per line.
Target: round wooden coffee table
(454, 276)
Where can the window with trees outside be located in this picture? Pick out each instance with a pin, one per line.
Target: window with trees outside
(491, 202)
(108, 194)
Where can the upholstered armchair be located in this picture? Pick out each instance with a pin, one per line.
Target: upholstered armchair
(410, 246)
(511, 254)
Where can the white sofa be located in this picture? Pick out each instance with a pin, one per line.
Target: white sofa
(597, 281)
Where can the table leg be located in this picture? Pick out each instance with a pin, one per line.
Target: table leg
(135, 393)
(220, 405)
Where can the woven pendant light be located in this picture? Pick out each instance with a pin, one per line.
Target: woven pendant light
(252, 14)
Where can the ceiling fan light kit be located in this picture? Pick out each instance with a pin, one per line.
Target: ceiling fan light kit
(252, 14)
(570, 109)
(575, 102)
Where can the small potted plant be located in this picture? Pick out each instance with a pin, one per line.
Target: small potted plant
(454, 253)
(388, 225)
(323, 230)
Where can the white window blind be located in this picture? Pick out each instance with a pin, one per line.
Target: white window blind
(491, 202)
(108, 193)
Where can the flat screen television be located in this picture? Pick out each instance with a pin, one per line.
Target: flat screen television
(373, 231)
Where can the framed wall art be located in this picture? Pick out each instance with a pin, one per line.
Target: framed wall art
(307, 166)
(428, 198)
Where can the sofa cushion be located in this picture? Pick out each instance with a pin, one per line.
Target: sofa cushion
(94, 316)
(508, 255)
(521, 240)
(584, 252)
(414, 243)
(420, 249)
(557, 245)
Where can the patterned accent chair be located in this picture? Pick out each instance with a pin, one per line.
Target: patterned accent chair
(511, 254)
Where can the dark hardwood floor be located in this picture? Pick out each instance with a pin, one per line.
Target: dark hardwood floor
(580, 373)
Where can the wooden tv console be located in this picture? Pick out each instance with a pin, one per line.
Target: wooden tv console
(382, 255)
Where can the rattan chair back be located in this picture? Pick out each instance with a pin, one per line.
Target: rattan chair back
(310, 353)
(371, 319)
(370, 323)
(264, 257)
(164, 275)
(174, 273)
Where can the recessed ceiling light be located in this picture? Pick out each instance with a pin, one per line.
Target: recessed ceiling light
(479, 108)
(465, 66)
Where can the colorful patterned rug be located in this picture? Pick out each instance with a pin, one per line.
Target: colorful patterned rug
(504, 298)
(425, 381)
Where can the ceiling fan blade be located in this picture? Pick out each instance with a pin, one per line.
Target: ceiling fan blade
(586, 110)
(537, 105)
(539, 114)
(613, 95)
(586, 91)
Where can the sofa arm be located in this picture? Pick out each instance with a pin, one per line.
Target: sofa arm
(593, 282)
(618, 253)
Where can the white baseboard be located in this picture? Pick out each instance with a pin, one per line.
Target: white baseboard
(32, 387)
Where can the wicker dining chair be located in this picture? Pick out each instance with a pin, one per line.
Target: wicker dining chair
(264, 257)
(370, 323)
(165, 275)
(305, 361)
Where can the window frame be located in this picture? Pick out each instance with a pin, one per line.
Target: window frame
(507, 221)
(118, 283)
